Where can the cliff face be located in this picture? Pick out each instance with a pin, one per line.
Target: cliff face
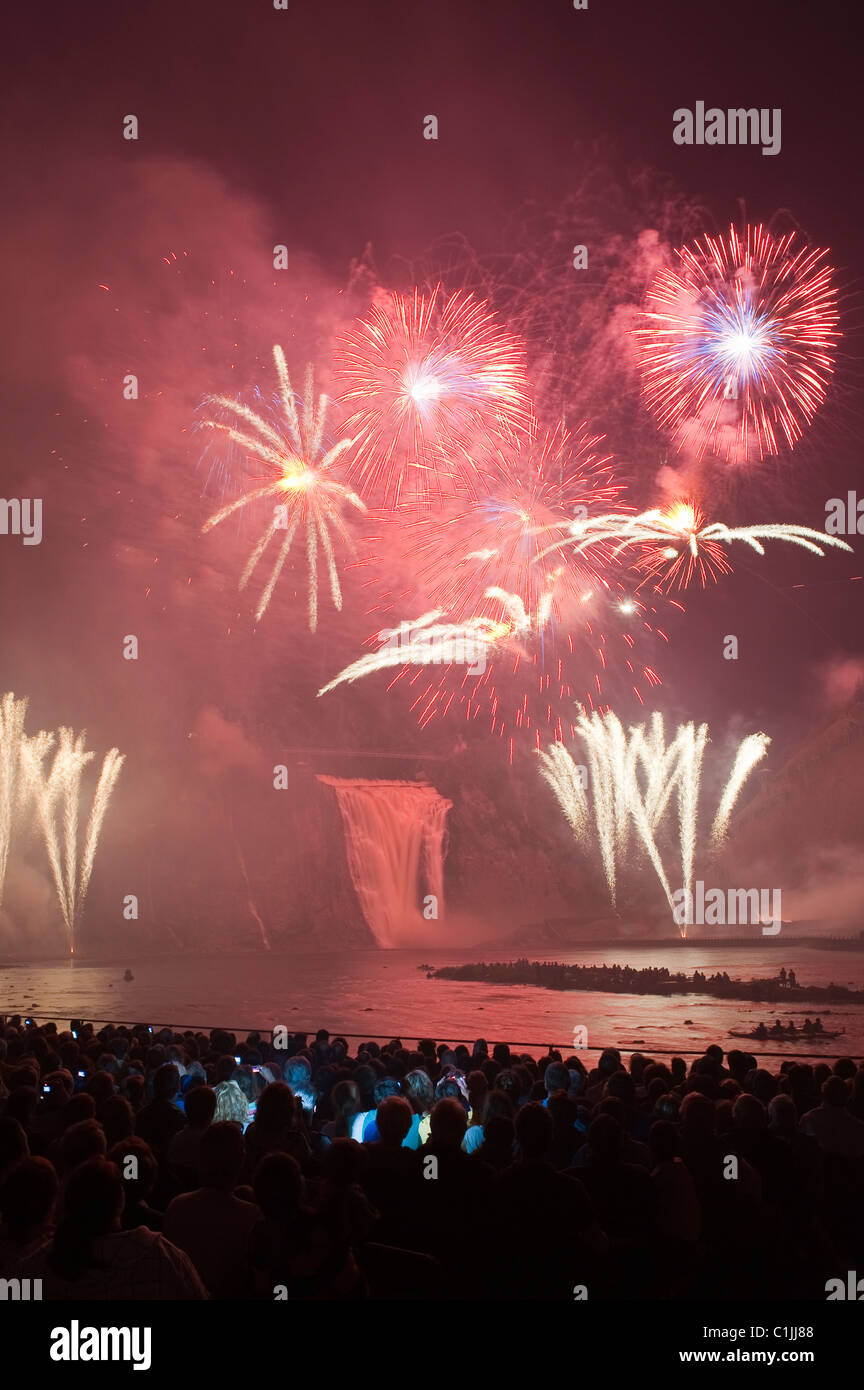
(803, 827)
(514, 874)
(250, 858)
(816, 796)
(799, 828)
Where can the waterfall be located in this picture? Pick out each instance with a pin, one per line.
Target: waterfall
(394, 832)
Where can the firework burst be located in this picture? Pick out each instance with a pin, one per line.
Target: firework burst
(298, 476)
(477, 558)
(537, 486)
(678, 545)
(430, 380)
(513, 674)
(737, 342)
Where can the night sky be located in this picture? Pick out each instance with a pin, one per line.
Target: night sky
(154, 256)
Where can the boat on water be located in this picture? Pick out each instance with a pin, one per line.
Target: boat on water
(800, 1035)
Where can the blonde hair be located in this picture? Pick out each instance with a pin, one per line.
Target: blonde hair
(231, 1103)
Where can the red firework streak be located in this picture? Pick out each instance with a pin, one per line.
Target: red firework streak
(535, 692)
(535, 485)
(687, 555)
(583, 616)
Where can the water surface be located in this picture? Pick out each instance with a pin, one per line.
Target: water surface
(383, 994)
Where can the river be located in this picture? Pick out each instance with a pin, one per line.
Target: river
(382, 994)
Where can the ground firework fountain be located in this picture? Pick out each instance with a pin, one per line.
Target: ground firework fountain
(394, 832)
(58, 794)
(635, 782)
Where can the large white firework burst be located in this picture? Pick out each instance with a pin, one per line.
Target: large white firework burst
(299, 477)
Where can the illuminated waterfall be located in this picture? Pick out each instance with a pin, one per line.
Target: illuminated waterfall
(394, 832)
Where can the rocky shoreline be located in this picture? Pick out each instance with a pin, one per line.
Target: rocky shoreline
(626, 979)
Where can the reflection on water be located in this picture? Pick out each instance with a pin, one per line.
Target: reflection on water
(381, 994)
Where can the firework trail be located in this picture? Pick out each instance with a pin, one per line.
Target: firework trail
(657, 761)
(58, 795)
(737, 342)
(250, 902)
(60, 787)
(750, 752)
(624, 758)
(34, 750)
(111, 765)
(298, 476)
(610, 800)
(566, 781)
(430, 381)
(428, 642)
(12, 715)
(689, 781)
(678, 545)
(633, 776)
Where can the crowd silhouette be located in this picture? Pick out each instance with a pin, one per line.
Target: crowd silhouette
(194, 1165)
